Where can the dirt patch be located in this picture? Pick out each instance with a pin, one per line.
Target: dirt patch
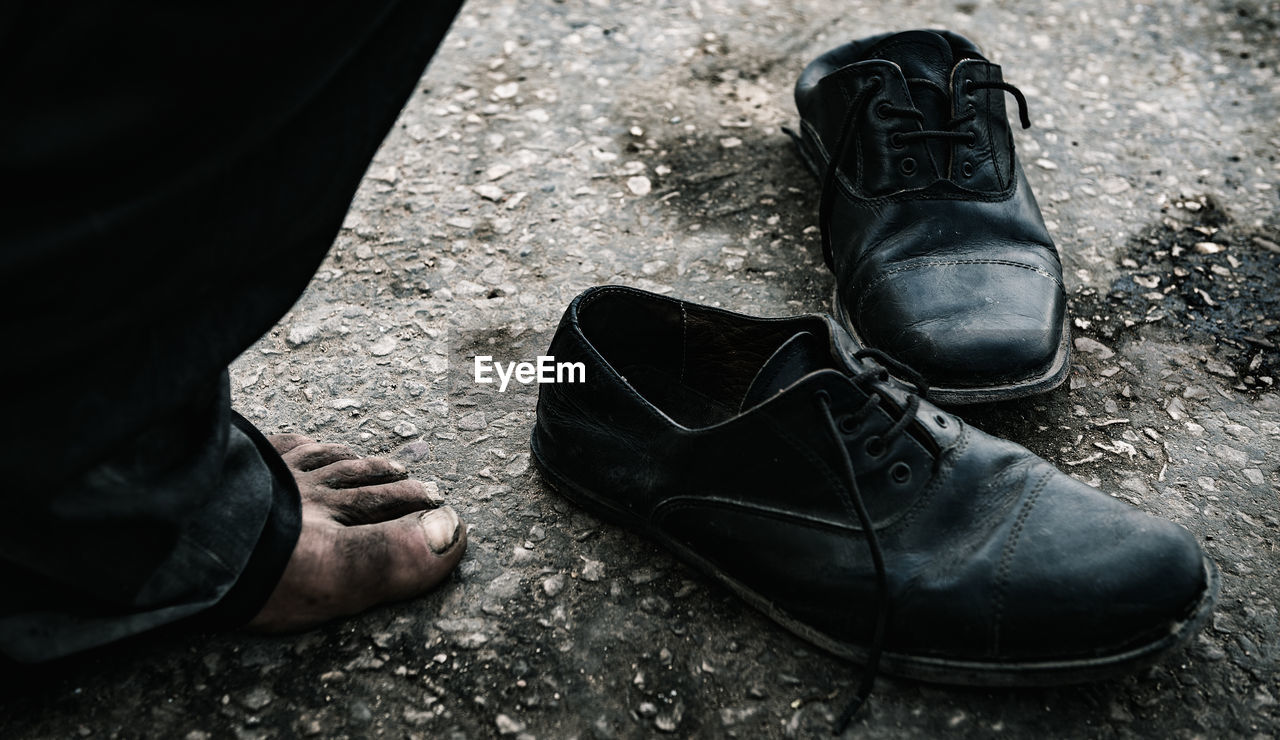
(1197, 276)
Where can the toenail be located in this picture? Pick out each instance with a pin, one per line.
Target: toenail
(398, 467)
(441, 528)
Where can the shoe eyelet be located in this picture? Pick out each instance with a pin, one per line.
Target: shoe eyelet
(895, 141)
(966, 169)
(847, 424)
(907, 165)
(973, 139)
(900, 472)
(966, 87)
(940, 420)
(874, 446)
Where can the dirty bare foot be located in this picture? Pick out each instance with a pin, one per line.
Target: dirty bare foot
(369, 535)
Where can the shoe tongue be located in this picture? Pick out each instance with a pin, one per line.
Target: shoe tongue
(920, 54)
(797, 357)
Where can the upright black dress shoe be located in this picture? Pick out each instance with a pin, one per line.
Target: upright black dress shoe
(941, 257)
(778, 458)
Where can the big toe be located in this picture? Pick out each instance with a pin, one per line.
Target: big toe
(402, 558)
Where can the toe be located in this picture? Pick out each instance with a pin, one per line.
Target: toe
(313, 455)
(285, 442)
(403, 557)
(379, 503)
(365, 471)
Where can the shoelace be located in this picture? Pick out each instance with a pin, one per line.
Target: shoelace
(872, 379)
(902, 137)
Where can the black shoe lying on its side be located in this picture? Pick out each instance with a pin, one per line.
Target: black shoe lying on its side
(940, 255)
(778, 459)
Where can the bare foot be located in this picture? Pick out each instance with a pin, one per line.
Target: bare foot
(369, 535)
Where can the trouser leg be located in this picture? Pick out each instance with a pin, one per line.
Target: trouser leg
(183, 173)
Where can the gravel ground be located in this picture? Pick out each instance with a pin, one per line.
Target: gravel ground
(556, 145)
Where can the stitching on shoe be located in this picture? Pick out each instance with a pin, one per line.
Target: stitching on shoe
(885, 275)
(1006, 559)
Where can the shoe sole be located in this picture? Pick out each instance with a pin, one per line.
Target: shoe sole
(1051, 378)
(934, 670)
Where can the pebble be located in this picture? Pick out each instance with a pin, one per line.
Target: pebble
(1219, 368)
(385, 345)
(553, 585)
(592, 570)
(731, 142)
(489, 192)
(1094, 347)
(1208, 247)
(364, 252)
(639, 185)
(498, 171)
(359, 713)
(300, 334)
(473, 422)
(507, 725)
(507, 90)
(406, 429)
(257, 698)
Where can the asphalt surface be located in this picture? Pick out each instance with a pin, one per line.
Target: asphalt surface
(557, 145)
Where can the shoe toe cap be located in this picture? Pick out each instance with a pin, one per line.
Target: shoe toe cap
(965, 323)
(1086, 574)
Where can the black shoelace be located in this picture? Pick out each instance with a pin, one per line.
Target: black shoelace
(872, 380)
(901, 138)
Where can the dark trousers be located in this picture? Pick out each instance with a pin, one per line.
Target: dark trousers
(171, 175)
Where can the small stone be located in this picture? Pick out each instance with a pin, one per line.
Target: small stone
(553, 585)
(731, 142)
(507, 725)
(497, 172)
(592, 570)
(639, 185)
(507, 90)
(1115, 185)
(300, 334)
(1220, 369)
(473, 422)
(1254, 476)
(360, 714)
(256, 699)
(364, 252)
(1046, 164)
(489, 192)
(1208, 247)
(384, 346)
(406, 429)
(504, 587)
(1094, 347)
(646, 709)
(345, 403)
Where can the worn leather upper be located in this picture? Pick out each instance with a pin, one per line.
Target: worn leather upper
(991, 553)
(940, 253)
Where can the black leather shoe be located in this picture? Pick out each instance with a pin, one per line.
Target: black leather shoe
(778, 458)
(941, 257)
